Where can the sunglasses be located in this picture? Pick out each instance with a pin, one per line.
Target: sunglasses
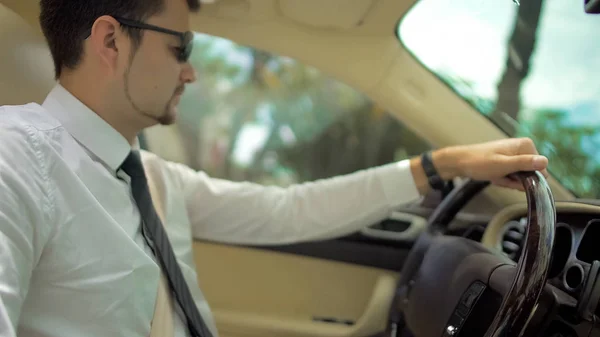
(186, 38)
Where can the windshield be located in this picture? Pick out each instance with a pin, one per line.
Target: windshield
(532, 69)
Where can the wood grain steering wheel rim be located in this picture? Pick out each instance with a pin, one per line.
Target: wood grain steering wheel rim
(439, 268)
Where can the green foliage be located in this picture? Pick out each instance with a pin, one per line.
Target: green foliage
(571, 149)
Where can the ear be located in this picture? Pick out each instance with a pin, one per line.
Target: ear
(103, 39)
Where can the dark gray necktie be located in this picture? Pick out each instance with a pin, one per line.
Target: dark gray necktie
(156, 237)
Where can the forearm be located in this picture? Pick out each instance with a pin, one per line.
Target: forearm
(252, 214)
(248, 213)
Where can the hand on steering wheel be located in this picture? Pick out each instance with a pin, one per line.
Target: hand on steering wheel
(454, 286)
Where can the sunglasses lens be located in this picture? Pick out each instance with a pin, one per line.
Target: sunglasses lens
(186, 51)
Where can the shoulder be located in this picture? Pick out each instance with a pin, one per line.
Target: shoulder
(20, 138)
(32, 116)
(26, 132)
(26, 135)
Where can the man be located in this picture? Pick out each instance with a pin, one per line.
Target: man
(82, 249)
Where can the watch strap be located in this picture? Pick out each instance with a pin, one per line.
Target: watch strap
(435, 181)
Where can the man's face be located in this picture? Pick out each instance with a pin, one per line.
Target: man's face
(154, 79)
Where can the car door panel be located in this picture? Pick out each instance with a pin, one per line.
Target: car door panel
(369, 323)
(341, 287)
(256, 292)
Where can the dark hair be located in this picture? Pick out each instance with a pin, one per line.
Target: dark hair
(65, 23)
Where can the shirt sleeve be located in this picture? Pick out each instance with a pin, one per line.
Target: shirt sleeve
(248, 213)
(22, 201)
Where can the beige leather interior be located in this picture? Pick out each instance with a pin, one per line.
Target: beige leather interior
(261, 293)
(303, 13)
(26, 70)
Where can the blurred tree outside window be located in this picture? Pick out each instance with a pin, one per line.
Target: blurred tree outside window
(255, 116)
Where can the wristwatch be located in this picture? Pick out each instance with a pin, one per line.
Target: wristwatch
(435, 181)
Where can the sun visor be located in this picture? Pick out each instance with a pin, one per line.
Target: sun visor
(331, 14)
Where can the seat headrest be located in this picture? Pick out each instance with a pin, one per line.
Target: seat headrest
(26, 68)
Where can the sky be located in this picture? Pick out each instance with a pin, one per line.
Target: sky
(468, 37)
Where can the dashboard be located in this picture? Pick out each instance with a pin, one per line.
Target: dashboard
(576, 251)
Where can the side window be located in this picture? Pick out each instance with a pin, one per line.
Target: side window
(269, 119)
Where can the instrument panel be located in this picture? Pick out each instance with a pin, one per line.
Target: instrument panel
(576, 251)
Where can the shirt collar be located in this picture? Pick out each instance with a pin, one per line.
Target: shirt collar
(89, 129)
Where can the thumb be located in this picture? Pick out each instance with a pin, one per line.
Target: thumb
(528, 162)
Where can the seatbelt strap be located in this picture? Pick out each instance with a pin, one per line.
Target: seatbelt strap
(162, 322)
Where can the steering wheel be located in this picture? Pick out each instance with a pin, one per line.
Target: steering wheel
(453, 286)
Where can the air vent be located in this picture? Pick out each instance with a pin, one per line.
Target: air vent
(512, 238)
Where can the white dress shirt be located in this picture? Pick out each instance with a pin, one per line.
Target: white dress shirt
(73, 262)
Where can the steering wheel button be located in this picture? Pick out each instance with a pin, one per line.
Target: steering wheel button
(470, 298)
(477, 286)
(462, 310)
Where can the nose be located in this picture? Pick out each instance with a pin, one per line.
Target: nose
(188, 73)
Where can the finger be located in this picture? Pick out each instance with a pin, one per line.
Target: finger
(526, 146)
(528, 162)
(544, 172)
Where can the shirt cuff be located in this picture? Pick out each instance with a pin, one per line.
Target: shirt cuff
(398, 183)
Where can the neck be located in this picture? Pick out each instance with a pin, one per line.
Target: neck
(101, 101)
